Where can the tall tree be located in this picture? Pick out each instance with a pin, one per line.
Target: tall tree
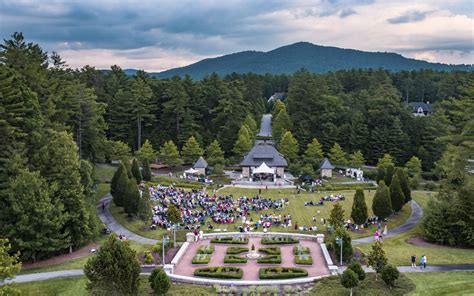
(141, 96)
(359, 208)
(146, 152)
(402, 177)
(173, 214)
(120, 192)
(191, 150)
(337, 155)
(10, 265)
(169, 154)
(144, 206)
(214, 154)
(146, 171)
(243, 143)
(251, 124)
(413, 167)
(357, 159)
(131, 198)
(314, 153)
(382, 205)
(137, 174)
(377, 258)
(280, 124)
(289, 147)
(118, 150)
(336, 218)
(397, 197)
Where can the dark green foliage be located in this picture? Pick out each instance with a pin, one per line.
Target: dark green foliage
(270, 259)
(201, 259)
(279, 240)
(389, 172)
(220, 272)
(121, 186)
(357, 268)
(131, 198)
(114, 270)
(280, 124)
(146, 171)
(389, 275)
(275, 273)
(234, 259)
(137, 174)
(270, 250)
(214, 153)
(347, 250)
(115, 177)
(206, 249)
(191, 150)
(349, 279)
(336, 218)
(173, 214)
(397, 197)
(144, 210)
(359, 208)
(304, 259)
(159, 281)
(403, 178)
(382, 205)
(230, 240)
(377, 258)
(298, 250)
(236, 250)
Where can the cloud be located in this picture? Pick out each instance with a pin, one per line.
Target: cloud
(409, 17)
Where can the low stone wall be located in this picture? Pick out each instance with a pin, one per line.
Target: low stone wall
(180, 253)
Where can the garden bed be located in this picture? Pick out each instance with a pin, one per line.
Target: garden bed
(201, 259)
(274, 273)
(279, 240)
(236, 250)
(298, 250)
(270, 259)
(230, 240)
(270, 250)
(220, 272)
(207, 249)
(304, 259)
(234, 259)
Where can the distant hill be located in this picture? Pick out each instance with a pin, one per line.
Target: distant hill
(315, 58)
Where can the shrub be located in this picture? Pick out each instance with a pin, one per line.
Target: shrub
(201, 259)
(279, 240)
(220, 272)
(234, 259)
(349, 279)
(148, 258)
(357, 268)
(281, 273)
(270, 259)
(236, 250)
(430, 186)
(230, 240)
(208, 249)
(389, 275)
(304, 259)
(270, 250)
(297, 250)
(159, 281)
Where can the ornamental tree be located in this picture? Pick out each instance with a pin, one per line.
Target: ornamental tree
(397, 197)
(359, 208)
(389, 275)
(191, 150)
(159, 281)
(377, 258)
(349, 279)
(382, 205)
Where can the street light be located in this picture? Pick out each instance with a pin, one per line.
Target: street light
(163, 242)
(339, 242)
(174, 236)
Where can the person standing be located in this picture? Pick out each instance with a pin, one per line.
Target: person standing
(424, 261)
(413, 261)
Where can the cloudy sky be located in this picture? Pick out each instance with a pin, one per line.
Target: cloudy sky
(158, 35)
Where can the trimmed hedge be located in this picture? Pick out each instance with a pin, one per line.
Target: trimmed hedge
(236, 250)
(220, 272)
(279, 240)
(234, 259)
(230, 240)
(201, 259)
(208, 249)
(304, 259)
(297, 250)
(277, 273)
(270, 250)
(270, 259)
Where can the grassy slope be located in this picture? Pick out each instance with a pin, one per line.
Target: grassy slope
(443, 283)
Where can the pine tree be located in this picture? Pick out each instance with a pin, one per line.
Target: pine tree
(251, 124)
(347, 250)
(314, 153)
(243, 143)
(389, 275)
(357, 159)
(173, 214)
(121, 187)
(141, 105)
(280, 124)
(389, 172)
(159, 281)
(144, 206)
(191, 150)
(115, 178)
(277, 107)
(359, 208)
(336, 218)
(146, 171)
(289, 147)
(169, 154)
(397, 197)
(413, 167)
(349, 280)
(131, 198)
(115, 269)
(385, 161)
(137, 174)
(11, 265)
(146, 152)
(402, 177)
(118, 150)
(377, 259)
(382, 205)
(337, 155)
(214, 154)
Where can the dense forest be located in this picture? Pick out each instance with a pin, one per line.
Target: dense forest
(56, 122)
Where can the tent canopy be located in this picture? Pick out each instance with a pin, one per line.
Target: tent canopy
(191, 171)
(263, 169)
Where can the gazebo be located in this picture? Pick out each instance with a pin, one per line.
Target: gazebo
(263, 156)
(325, 168)
(201, 166)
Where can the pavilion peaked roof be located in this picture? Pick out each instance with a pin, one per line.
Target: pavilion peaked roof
(201, 163)
(263, 152)
(326, 165)
(263, 169)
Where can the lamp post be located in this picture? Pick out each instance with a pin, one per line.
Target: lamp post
(163, 242)
(339, 242)
(174, 236)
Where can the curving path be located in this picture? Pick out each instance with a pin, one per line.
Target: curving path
(107, 218)
(416, 214)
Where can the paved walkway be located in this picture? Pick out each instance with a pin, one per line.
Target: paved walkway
(266, 126)
(416, 214)
(434, 268)
(107, 218)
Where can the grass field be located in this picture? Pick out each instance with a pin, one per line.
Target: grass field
(104, 172)
(443, 283)
(77, 286)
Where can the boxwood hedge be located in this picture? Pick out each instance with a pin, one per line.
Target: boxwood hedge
(279, 240)
(270, 259)
(201, 259)
(230, 240)
(234, 259)
(304, 259)
(236, 250)
(220, 272)
(281, 273)
(270, 250)
(297, 250)
(207, 249)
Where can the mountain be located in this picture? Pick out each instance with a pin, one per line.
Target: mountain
(315, 58)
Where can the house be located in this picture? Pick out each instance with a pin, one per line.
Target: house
(325, 168)
(263, 162)
(277, 96)
(201, 166)
(421, 108)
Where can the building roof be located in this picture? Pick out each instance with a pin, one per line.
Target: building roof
(201, 163)
(263, 152)
(277, 96)
(427, 107)
(326, 165)
(263, 169)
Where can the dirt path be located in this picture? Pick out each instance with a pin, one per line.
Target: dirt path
(84, 251)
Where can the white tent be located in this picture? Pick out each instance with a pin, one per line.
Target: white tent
(191, 171)
(263, 169)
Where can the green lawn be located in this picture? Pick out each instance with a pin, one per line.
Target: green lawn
(77, 286)
(101, 190)
(104, 172)
(399, 251)
(443, 283)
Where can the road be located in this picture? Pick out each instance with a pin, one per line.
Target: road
(266, 126)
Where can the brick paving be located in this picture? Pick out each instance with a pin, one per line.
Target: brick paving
(319, 268)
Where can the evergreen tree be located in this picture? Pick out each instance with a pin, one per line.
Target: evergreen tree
(144, 206)
(277, 107)
(347, 250)
(387, 160)
(146, 152)
(314, 153)
(251, 124)
(137, 174)
(11, 265)
(336, 217)
(382, 205)
(146, 171)
(118, 150)
(280, 124)
(173, 214)
(389, 172)
(159, 281)
(389, 275)
(359, 208)
(115, 179)
(397, 197)
(337, 155)
(357, 268)
(349, 279)
(377, 259)
(115, 269)
(357, 159)
(243, 143)
(289, 147)
(131, 198)
(191, 150)
(413, 167)
(120, 191)
(402, 177)
(169, 154)
(214, 154)
(141, 105)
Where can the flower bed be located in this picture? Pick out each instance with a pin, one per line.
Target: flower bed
(279, 240)
(270, 259)
(206, 249)
(273, 273)
(270, 250)
(236, 250)
(220, 272)
(299, 250)
(304, 259)
(201, 259)
(234, 259)
(230, 240)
